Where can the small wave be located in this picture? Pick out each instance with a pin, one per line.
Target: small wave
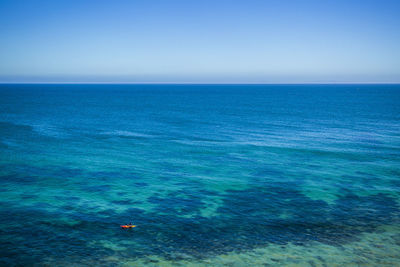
(13, 129)
(127, 134)
(48, 130)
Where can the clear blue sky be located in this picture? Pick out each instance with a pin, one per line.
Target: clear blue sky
(200, 41)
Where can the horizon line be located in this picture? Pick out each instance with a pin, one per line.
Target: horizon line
(207, 83)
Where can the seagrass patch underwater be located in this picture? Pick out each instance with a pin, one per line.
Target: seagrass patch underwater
(210, 174)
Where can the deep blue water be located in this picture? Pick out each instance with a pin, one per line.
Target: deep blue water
(202, 170)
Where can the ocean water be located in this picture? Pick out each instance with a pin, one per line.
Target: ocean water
(212, 175)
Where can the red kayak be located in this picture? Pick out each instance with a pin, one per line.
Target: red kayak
(126, 226)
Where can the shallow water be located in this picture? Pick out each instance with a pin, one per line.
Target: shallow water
(211, 174)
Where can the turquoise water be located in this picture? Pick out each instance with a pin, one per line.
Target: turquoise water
(210, 174)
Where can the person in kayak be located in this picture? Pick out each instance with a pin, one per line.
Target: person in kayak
(130, 225)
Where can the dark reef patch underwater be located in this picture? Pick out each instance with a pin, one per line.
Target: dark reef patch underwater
(210, 174)
(246, 219)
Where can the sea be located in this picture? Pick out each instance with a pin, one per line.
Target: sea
(211, 175)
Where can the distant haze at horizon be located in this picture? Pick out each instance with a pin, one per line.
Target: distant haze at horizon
(200, 42)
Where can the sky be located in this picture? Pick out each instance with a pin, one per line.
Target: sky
(203, 41)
